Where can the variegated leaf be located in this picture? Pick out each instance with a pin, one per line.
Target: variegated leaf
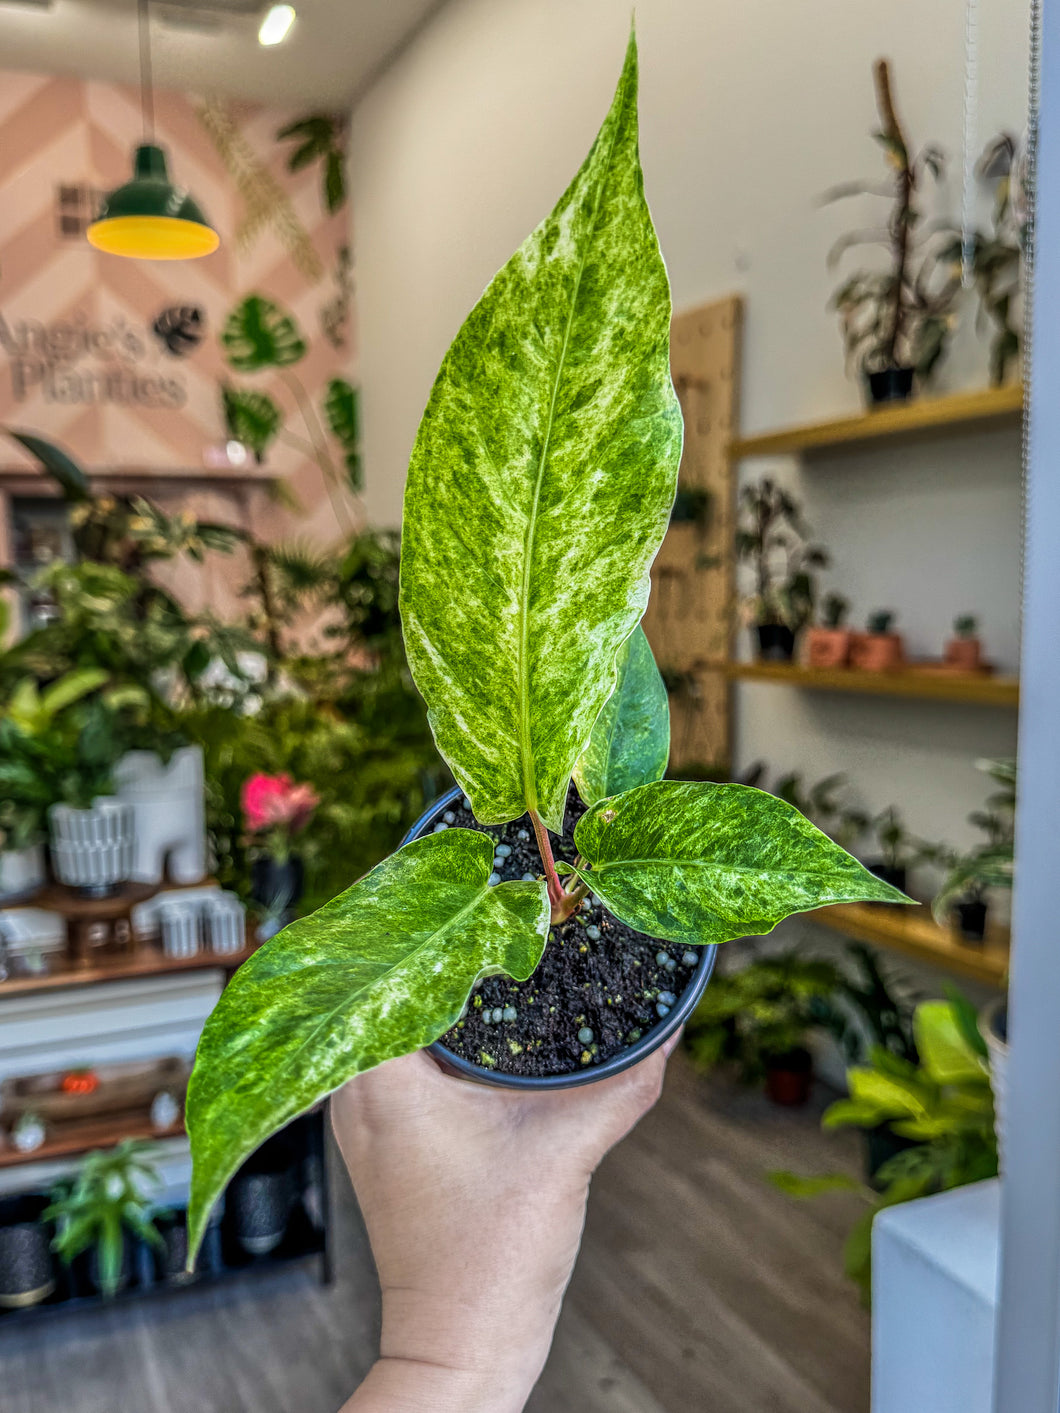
(540, 486)
(382, 970)
(698, 863)
(630, 743)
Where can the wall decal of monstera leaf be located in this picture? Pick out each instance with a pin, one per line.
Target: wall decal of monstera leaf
(261, 336)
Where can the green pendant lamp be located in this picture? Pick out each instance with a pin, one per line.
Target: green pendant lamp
(149, 218)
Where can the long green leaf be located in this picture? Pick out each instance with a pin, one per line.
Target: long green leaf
(540, 486)
(382, 970)
(630, 743)
(63, 469)
(944, 1049)
(343, 419)
(698, 863)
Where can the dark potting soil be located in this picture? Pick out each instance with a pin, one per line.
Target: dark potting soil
(596, 975)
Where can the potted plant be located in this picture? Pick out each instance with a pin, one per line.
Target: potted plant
(996, 254)
(899, 851)
(896, 322)
(962, 897)
(758, 1018)
(539, 491)
(940, 1103)
(963, 650)
(771, 539)
(880, 648)
(40, 751)
(828, 645)
(26, 1274)
(275, 811)
(100, 1209)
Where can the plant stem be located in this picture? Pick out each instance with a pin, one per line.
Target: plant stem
(556, 896)
(901, 221)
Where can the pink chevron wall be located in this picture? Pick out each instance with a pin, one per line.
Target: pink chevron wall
(79, 363)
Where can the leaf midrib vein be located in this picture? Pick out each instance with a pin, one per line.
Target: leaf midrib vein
(529, 781)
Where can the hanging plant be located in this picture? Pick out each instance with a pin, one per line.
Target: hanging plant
(320, 137)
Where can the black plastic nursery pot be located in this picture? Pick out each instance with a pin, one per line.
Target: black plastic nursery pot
(27, 1272)
(605, 1054)
(277, 885)
(889, 385)
(895, 876)
(971, 920)
(776, 642)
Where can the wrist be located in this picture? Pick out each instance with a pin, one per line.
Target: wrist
(483, 1355)
(399, 1385)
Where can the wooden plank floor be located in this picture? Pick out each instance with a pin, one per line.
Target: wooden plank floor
(699, 1287)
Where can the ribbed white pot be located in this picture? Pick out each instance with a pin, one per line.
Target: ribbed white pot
(92, 849)
(998, 1049)
(21, 872)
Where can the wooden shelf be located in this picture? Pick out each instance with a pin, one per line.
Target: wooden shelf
(148, 960)
(919, 418)
(73, 1139)
(915, 933)
(978, 688)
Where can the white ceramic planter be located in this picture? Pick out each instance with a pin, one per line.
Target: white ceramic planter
(92, 849)
(169, 813)
(998, 1049)
(21, 872)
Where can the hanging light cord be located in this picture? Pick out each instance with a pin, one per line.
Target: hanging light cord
(147, 92)
(971, 140)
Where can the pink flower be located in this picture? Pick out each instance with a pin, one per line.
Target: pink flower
(276, 802)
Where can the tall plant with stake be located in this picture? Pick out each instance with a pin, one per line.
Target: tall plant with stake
(902, 315)
(538, 493)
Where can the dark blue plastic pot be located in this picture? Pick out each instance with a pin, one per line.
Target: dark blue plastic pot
(651, 1040)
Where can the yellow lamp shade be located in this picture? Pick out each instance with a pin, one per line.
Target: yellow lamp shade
(151, 219)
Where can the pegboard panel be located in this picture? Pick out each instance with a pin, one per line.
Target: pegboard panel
(690, 610)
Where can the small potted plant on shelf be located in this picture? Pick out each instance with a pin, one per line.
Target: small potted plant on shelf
(102, 1209)
(759, 1018)
(539, 492)
(997, 253)
(899, 851)
(275, 811)
(880, 648)
(964, 650)
(828, 644)
(771, 539)
(896, 322)
(962, 897)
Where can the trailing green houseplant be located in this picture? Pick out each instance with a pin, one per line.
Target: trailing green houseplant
(539, 491)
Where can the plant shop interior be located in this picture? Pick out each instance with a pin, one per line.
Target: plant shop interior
(237, 242)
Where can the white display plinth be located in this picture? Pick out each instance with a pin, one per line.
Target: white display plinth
(934, 1302)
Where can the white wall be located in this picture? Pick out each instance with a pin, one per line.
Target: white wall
(749, 110)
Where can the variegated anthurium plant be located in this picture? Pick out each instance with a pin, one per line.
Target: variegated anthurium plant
(538, 494)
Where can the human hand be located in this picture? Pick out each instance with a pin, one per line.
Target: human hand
(474, 1200)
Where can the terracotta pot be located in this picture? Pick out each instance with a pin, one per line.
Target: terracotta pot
(789, 1077)
(876, 652)
(965, 653)
(827, 647)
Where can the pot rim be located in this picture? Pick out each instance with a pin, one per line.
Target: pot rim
(649, 1042)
